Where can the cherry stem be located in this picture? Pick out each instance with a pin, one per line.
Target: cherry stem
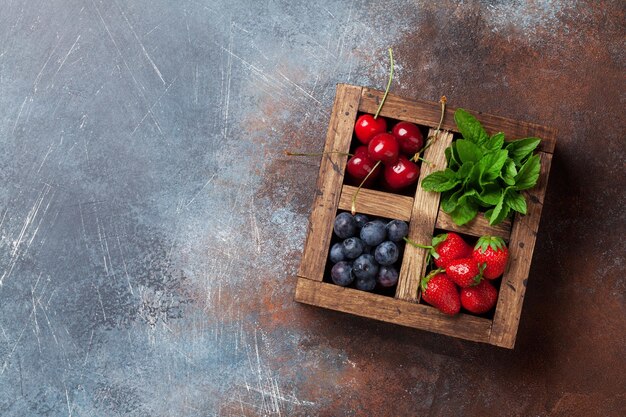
(443, 100)
(417, 245)
(380, 106)
(353, 209)
(289, 153)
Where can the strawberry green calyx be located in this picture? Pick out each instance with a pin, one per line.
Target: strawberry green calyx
(478, 278)
(439, 238)
(493, 242)
(424, 281)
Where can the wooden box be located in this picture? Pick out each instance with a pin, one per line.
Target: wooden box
(424, 216)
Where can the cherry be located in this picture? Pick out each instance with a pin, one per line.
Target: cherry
(360, 164)
(367, 127)
(401, 174)
(409, 137)
(384, 147)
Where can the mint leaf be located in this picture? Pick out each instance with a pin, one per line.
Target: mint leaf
(499, 212)
(464, 172)
(452, 157)
(520, 149)
(449, 200)
(491, 164)
(465, 211)
(495, 142)
(515, 200)
(468, 151)
(528, 174)
(470, 127)
(440, 181)
(490, 195)
(509, 171)
(504, 213)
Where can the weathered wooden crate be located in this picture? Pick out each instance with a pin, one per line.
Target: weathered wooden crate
(424, 216)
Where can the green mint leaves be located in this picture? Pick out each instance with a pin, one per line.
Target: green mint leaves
(484, 173)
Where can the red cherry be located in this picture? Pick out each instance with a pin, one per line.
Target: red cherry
(367, 127)
(361, 151)
(409, 137)
(401, 174)
(360, 165)
(384, 147)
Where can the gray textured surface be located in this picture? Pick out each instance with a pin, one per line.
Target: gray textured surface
(149, 222)
(135, 137)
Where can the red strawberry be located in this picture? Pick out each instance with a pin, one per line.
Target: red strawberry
(464, 272)
(439, 291)
(493, 252)
(480, 298)
(448, 247)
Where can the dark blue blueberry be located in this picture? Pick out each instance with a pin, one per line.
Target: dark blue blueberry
(373, 233)
(365, 284)
(361, 219)
(353, 247)
(386, 253)
(387, 276)
(341, 273)
(336, 253)
(365, 267)
(345, 225)
(396, 230)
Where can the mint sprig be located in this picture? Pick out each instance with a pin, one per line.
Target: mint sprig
(484, 173)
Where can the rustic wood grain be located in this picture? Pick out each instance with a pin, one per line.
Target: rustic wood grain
(479, 226)
(329, 182)
(377, 203)
(422, 224)
(380, 307)
(522, 244)
(428, 113)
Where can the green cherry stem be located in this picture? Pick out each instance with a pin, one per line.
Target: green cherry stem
(353, 208)
(442, 101)
(417, 245)
(380, 106)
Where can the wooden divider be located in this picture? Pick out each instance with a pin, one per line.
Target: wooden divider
(479, 226)
(423, 216)
(427, 113)
(377, 203)
(329, 180)
(380, 307)
(513, 287)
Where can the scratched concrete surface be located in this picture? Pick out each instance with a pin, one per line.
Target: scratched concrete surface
(150, 225)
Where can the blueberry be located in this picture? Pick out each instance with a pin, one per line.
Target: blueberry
(373, 233)
(387, 276)
(336, 253)
(396, 230)
(345, 225)
(353, 247)
(386, 253)
(361, 219)
(365, 284)
(341, 273)
(365, 267)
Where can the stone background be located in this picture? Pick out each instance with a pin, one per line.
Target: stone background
(150, 225)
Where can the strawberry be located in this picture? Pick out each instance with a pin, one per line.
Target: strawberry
(446, 248)
(439, 291)
(480, 298)
(493, 252)
(465, 272)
